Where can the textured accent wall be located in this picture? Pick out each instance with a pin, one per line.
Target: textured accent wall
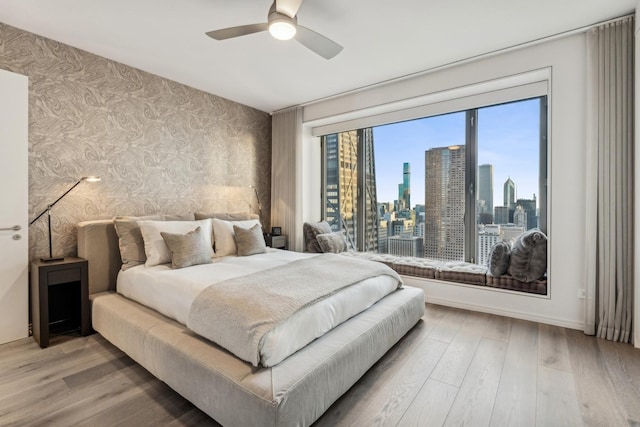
(159, 146)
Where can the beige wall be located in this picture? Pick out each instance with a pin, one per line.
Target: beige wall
(159, 146)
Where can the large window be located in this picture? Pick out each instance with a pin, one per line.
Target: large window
(445, 187)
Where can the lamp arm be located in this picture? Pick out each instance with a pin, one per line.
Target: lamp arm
(57, 200)
(258, 198)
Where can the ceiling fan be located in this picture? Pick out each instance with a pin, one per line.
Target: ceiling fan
(282, 23)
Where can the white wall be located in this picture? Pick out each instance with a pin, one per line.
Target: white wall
(567, 270)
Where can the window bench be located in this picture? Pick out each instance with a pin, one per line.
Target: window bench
(453, 271)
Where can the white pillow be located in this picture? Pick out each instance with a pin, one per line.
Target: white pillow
(156, 249)
(226, 238)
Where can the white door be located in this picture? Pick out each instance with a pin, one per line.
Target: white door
(14, 194)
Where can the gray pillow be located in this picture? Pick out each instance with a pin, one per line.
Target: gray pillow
(332, 242)
(188, 249)
(499, 256)
(130, 239)
(529, 256)
(250, 241)
(227, 216)
(311, 230)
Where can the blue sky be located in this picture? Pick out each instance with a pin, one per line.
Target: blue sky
(508, 138)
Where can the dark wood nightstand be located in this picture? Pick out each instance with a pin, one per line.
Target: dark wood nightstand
(277, 242)
(59, 297)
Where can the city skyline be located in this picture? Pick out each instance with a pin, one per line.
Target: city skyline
(508, 139)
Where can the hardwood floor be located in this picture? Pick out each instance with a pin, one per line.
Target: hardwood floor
(454, 368)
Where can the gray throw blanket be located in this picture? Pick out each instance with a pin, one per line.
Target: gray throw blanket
(237, 313)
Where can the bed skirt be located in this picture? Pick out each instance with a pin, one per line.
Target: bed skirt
(295, 392)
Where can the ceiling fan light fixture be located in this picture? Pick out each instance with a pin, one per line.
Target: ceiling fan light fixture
(282, 29)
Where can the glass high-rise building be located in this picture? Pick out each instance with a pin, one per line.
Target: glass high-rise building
(501, 215)
(485, 188)
(444, 203)
(341, 187)
(529, 207)
(509, 193)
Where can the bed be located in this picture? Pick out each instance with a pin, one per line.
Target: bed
(293, 392)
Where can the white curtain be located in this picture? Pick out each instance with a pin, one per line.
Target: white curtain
(610, 175)
(286, 155)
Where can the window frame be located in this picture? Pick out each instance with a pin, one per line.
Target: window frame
(471, 164)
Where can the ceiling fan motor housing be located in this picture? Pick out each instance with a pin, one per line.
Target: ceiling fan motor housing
(281, 26)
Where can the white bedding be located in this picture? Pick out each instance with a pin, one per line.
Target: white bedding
(171, 292)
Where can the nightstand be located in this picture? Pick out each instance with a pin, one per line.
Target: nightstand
(59, 297)
(277, 242)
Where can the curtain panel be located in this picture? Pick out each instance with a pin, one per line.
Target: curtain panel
(610, 176)
(286, 152)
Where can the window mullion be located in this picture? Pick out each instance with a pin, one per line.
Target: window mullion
(542, 216)
(361, 206)
(471, 166)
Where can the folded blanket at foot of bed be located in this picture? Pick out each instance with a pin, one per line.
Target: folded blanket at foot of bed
(238, 313)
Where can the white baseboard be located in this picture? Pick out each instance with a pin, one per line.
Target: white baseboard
(467, 299)
(507, 313)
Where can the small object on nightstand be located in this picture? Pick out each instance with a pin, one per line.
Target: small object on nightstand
(276, 231)
(59, 297)
(277, 242)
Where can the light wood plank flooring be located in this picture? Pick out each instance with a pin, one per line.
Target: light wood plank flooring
(454, 368)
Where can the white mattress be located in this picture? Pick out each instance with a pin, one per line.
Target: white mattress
(171, 292)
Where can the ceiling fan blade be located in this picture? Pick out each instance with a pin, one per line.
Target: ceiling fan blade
(241, 30)
(288, 7)
(318, 43)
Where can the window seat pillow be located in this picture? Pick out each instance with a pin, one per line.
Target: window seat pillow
(528, 261)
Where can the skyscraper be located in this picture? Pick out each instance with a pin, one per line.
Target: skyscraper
(406, 183)
(485, 188)
(501, 215)
(404, 189)
(509, 193)
(488, 235)
(528, 206)
(341, 153)
(520, 217)
(444, 203)
(406, 245)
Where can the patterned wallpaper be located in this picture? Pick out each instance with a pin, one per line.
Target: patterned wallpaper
(158, 146)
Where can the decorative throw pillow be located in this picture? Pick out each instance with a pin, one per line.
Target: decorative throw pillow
(332, 242)
(499, 255)
(225, 237)
(529, 256)
(130, 239)
(227, 216)
(251, 241)
(311, 230)
(188, 249)
(154, 246)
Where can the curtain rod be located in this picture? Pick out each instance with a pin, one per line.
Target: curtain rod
(466, 60)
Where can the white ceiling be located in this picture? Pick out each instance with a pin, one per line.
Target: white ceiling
(382, 39)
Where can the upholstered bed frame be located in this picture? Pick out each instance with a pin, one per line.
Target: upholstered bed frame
(295, 392)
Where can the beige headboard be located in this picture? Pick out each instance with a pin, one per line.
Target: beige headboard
(98, 243)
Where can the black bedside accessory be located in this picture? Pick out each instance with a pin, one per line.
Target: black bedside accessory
(276, 231)
(51, 258)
